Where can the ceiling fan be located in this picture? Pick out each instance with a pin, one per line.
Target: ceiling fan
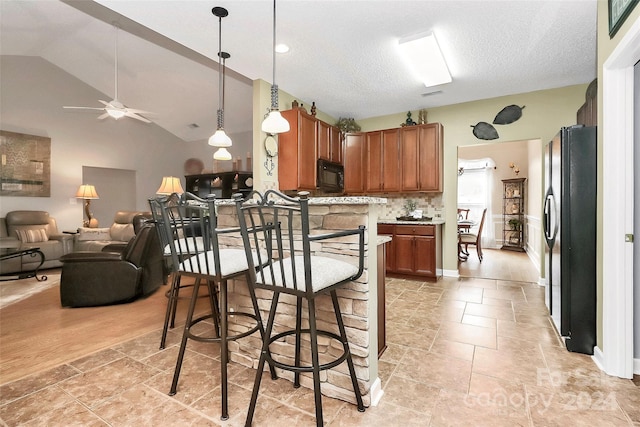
(115, 108)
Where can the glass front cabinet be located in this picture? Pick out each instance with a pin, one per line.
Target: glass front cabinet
(513, 214)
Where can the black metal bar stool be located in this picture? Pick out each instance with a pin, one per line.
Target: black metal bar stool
(191, 230)
(275, 227)
(171, 268)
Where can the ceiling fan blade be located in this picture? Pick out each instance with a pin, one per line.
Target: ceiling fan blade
(105, 103)
(103, 116)
(82, 108)
(137, 117)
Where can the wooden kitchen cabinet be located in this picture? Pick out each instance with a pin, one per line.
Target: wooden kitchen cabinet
(329, 142)
(421, 161)
(383, 161)
(354, 157)
(297, 157)
(416, 250)
(335, 140)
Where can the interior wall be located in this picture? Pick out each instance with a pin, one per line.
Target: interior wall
(32, 93)
(116, 189)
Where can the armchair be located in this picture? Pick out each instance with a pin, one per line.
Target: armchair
(32, 229)
(103, 278)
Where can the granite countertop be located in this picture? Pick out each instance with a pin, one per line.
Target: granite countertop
(434, 221)
(383, 239)
(353, 200)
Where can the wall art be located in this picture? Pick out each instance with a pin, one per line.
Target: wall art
(25, 166)
(618, 12)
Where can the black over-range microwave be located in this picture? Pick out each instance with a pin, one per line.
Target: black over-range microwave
(330, 177)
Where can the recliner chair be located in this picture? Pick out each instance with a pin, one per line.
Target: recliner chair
(103, 278)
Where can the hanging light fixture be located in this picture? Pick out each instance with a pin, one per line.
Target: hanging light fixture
(220, 138)
(274, 123)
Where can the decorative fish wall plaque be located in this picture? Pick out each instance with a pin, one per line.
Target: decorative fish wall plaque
(508, 114)
(484, 130)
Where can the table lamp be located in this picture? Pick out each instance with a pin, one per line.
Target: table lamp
(88, 192)
(170, 185)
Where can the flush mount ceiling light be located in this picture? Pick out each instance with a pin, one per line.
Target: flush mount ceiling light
(220, 138)
(274, 123)
(423, 56)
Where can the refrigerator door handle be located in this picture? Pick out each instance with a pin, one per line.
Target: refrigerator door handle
(550, 230)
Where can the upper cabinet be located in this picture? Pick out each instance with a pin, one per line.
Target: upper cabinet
(354, 157)
(383, 161)
(297, 152)
(308, 140)
(421, 158)
(329, 142)
(588, 113)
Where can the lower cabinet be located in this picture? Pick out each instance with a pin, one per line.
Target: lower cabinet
(415, 250)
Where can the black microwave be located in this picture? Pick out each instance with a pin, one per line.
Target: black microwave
(330, 177)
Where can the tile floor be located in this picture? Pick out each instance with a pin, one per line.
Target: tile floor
(477, 352)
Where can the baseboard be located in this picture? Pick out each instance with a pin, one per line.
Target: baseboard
(451, 273)
(376, 392)
(636, 366)
(598, 358)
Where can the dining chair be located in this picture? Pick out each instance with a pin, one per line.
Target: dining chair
(467, 239)
(463, 213)
(277, 228)
(190, 225)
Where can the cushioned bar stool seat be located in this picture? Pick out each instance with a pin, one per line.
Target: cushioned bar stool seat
(275, 230)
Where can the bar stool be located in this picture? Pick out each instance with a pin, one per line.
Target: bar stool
(190, 226)
(276, 228)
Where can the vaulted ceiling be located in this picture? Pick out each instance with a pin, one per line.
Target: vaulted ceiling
(343, 53)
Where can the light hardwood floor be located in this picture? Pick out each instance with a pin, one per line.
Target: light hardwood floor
(500, 265)
(37, 333)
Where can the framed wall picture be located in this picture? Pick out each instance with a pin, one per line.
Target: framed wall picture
(25, 165)
(618, 12)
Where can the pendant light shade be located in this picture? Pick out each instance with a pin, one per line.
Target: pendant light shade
(220, 138)
(222, 154)
(274, 123)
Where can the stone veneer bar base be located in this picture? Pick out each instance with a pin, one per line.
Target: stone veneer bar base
(358, 301)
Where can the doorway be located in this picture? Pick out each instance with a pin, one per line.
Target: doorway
(615, 349)
(526, 158)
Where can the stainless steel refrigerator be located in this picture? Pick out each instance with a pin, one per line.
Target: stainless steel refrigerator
(570, 232)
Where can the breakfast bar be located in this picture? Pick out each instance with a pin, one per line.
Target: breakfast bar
(358, 299)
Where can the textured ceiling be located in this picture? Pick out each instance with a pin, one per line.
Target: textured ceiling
(343, 53)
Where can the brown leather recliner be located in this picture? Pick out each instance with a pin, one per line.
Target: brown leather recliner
(103, 278)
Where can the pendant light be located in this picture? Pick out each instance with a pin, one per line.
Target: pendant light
(274, 123)
(220, 138)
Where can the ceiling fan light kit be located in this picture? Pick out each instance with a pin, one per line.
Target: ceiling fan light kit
(274, 122)
(115, 108)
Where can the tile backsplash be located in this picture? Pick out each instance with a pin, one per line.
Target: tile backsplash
(431, 204)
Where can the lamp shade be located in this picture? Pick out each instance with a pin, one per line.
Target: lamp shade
(220, 139)
(222, 154)
(275, 123)
(87, 192)
(170, 185)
